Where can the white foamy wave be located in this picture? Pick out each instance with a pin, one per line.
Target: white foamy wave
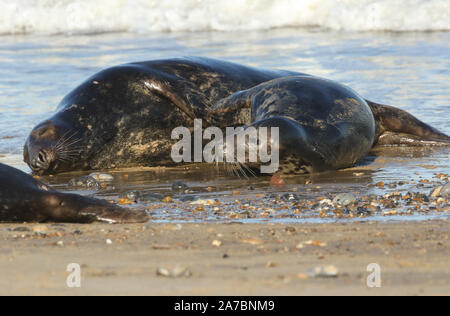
(91, 16)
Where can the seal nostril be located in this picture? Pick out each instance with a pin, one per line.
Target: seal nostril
(41, 157)
(40, 161)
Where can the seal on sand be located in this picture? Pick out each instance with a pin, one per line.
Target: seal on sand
(124, 116)
(323, 124)
(25, 199)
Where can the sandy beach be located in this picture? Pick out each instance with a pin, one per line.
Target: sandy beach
(212, 231)
(225, 259)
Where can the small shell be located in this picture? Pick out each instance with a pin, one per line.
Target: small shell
(102, 176)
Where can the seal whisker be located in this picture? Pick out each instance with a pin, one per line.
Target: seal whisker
(236, 170)
(228, 169)
(252, 173)
(64, 139)
(242, 170)
(73, 142)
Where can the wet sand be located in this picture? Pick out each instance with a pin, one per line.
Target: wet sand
(226, 258)
(262, 241)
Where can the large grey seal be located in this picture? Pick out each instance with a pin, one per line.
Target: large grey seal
(25, 199)
(123, 116)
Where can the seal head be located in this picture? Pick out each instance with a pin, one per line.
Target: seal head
(51, 146)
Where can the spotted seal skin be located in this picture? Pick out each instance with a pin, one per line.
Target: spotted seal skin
(323, 124)
(124, 116)
(25, 199)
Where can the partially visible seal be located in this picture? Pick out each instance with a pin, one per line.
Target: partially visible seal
(25, 199)
(124, 116)
(323, 125)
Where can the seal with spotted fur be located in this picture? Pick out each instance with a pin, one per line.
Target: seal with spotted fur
(123, 116)
(323, 125)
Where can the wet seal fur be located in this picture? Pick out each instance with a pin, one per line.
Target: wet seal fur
(123, 116)
(324, 125)
(25, 199)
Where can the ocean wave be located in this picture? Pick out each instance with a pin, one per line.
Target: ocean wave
(143, 16)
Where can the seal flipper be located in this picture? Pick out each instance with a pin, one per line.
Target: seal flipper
(398, 127)
(192, 102)
(72, 208)
(25, 199)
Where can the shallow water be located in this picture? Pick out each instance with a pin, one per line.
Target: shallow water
(408, 70)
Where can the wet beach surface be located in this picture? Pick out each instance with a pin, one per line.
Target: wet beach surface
(381, 188)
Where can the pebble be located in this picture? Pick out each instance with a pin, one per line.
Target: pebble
(445, 191)
(102, 177)
(137, 196)
(314, 243)
(178, 272)
(436, 191)
(216, 243)
(167, 199)
(125, 201)
(277, 181)
(152, 197)
(40, 229)
(134, 196)
(290, 197)
(109, 242)
(173, 227)
(271, 264)
(203, 202)
(290, 229)
(323, 272)
(60, 243)
(188, 198)
(85, 182)
(21, 229)
(326, 201)
(344, 199)
(180, 187)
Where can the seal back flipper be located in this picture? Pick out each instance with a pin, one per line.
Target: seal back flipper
(398, 127)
